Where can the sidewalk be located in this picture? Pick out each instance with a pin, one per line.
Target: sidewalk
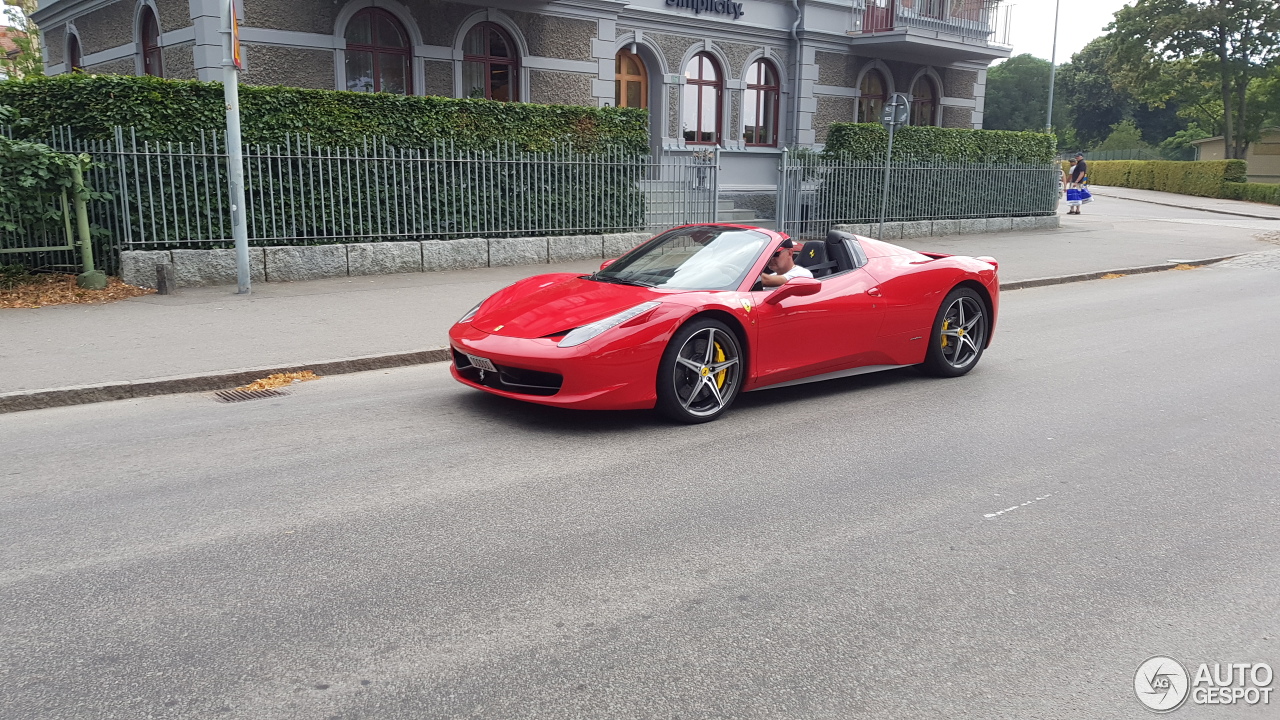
(1240, 208)
(212, 329)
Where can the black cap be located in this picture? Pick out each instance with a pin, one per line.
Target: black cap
(788, 243)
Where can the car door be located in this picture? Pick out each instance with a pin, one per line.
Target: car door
(834, 329)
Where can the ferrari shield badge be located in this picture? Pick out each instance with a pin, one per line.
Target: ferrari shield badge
(746, 304)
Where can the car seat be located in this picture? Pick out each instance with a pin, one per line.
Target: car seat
(813, 255)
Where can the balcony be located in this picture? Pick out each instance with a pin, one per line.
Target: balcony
(932, 31)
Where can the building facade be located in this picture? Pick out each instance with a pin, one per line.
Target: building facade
(749, 76)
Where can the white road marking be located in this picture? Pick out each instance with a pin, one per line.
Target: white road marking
(998, 513)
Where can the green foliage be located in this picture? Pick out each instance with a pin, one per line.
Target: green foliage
(92, 105)
(11, 276)
(1018, 95)
(27, 61)
(1253, 192)
(1206, 178)
(32, 177)
(1207, 53)
(867, 142)
(1124, 136)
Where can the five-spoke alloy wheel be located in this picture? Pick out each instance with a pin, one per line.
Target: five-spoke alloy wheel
(959, 334)
(701, 372)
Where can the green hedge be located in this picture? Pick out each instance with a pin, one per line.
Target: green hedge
(1206, 178)
(92, 105)
(1253, 192)
(867, 141)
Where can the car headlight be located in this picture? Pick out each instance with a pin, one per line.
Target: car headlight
(471, 313)
(577, 336)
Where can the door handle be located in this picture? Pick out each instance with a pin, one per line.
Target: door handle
(874, 292)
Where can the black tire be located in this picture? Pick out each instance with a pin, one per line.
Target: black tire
(701, 372)
(958, 337)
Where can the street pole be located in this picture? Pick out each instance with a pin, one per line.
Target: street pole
(235, 159)
(1053, 66)
(895, 114)
(884, 195)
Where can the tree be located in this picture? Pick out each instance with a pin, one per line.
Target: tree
(1164, 48)
(25, 36)
(1018, 94)
(1092, 102)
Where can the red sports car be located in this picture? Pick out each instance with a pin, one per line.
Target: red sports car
(683, 322)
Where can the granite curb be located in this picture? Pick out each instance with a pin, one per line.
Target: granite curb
(204, 382)
(209, 382)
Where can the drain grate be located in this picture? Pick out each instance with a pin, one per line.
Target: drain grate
(232, 396)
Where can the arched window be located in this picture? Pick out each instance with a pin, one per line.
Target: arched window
(150, 29)
(701, 106)
(490, 64)
(378, 53)
(631, 81)
(760, 105)
(874, 93)
(924, 101)
(74, 61)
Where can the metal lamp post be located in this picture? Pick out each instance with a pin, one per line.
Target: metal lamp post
(231, 64)
(1053, 67)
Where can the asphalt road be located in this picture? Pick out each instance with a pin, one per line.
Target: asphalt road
(1012, 544)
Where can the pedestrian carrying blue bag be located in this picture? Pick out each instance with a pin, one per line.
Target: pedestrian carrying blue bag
(1074, 196)
(1085, 195)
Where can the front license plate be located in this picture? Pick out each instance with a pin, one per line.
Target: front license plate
(482, 363)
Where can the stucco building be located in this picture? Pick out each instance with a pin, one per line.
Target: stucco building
(751, 76)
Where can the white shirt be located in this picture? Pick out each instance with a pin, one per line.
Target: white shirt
(797, 271)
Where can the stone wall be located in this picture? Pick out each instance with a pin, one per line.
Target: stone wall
(295, 67)
(957, 117)
(556, 37)
(737, 54)
(832, 109)
(312, 17)
(119, 66)
(439, 21)
(837, 69)
(958, 83)
(673, 48)
(173, 15)
(547, 87)
(105, 28)
(180, 62)
(55, 43)
(438, 77)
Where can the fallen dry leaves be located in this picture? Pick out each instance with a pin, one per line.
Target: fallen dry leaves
(56, 289)
(280, 380)
(1184, 266)
(1112, 276)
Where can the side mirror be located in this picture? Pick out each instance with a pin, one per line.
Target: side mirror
(606, 263)
(795, 287)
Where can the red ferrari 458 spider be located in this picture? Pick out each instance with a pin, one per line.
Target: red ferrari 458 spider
(683, 323)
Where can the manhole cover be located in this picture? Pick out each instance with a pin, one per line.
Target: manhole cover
(231, 396)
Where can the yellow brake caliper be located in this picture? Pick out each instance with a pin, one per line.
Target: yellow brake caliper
(719, 359)
(946, 324)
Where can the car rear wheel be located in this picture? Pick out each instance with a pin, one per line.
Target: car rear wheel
(701, 372)
(959, 334)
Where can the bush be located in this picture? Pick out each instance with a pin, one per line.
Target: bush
(1205, 178)
(867, 141)
(93, 105)
(1253, 192)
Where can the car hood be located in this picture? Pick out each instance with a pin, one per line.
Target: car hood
(548, 304)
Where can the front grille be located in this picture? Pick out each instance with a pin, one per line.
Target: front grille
(509, 379)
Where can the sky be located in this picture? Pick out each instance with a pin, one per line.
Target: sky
(1079, 22)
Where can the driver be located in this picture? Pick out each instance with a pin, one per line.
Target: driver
(782, 266)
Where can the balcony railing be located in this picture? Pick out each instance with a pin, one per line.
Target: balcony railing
(984, 20)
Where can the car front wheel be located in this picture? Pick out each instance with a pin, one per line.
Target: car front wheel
(701, 372)
(959, 334)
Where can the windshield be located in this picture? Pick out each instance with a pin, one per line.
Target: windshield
(701, 257)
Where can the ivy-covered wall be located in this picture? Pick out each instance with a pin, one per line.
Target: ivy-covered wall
(92, 105)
